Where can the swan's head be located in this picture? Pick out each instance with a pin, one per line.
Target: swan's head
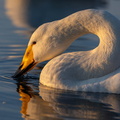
(45, 43)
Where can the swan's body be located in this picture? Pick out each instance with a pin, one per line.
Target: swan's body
(96, 70)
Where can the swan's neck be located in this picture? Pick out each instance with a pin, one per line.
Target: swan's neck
(105, 58)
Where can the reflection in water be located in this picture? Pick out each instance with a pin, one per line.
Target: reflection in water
(33, 106)
(26, 94)
(32, 13)
(59, 104)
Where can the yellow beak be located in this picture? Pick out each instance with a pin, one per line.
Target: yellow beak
(27, 63)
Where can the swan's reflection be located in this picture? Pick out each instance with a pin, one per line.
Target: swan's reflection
(26, 94)
(59, 104)
(81, 105)
(33, 106)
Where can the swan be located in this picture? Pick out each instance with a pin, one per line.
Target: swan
(96, 70)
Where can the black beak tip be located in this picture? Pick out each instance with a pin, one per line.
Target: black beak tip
(18, 74)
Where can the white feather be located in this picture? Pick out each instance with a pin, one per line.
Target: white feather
(96, 70)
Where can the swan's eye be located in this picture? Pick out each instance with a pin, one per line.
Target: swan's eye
(34, 43)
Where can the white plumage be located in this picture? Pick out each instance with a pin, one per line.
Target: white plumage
(96, 70)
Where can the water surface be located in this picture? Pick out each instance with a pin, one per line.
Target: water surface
(27, 98)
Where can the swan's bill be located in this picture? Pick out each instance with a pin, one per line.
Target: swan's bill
(27, 63)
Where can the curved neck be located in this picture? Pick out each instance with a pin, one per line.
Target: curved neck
(106, 27)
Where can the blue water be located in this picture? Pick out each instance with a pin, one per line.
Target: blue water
(28, 99)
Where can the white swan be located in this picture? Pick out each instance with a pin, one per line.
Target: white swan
(97, 70)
